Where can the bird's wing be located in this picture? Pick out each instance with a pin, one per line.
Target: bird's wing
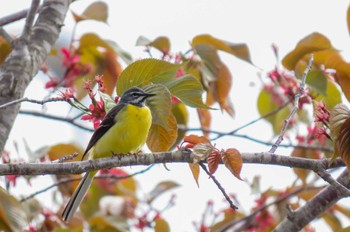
(107, 122)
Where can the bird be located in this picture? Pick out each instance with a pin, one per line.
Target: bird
(123, 130)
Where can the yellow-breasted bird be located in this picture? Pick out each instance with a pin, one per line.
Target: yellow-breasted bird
(123, 130)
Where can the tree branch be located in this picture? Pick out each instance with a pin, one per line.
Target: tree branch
(27, 55)
(181, 156)
(314, 207)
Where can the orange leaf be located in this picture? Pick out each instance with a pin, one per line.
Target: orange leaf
(213, 161)
(195, 139)
(205, 120)
(161, 138)
(233, 161)
(5, 48)
(194, 167)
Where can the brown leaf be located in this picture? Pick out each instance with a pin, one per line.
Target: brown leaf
(161, 188)
(338, 116)
(343, 142)
(219, 90)
(194, 167)
(233, 161)
(112, 71)
(213, 161)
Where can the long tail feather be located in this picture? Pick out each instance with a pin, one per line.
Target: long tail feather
(77, 196)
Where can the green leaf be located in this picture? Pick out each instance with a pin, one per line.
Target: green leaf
(11, 212)
(96, 11)
(142, 72)
(332, 96)
(211, 59)
(187, 88)
(108, 101)
(160, 104)
(240, 51)
(266, 105)
(317, 82)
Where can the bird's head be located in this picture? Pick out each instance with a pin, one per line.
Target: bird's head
(135, 96)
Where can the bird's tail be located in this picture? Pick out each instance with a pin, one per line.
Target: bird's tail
(78, 196)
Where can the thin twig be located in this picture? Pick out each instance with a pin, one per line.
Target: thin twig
(253, 121)
(295, 108)
(6, 36)
(56, 118)
(232, 206)
(30, 19)
(13, 17)
(104, 176)
(66, 158)
(25, 99)
(72, 122)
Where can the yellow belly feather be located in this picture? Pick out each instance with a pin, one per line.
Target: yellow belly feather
(127, 135)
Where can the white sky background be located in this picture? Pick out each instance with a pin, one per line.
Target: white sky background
(257, 23)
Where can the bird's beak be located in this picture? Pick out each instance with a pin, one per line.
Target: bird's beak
(150, 94)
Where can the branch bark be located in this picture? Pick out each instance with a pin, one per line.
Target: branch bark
(181, 156)
(315, 207)
(23, 63)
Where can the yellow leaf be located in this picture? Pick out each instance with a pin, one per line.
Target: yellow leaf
(194, 167)
(160, 138)
(12, 214)
(161, 225)
(311, 43)
(332, 220)
(233, 161)
(180, 112)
